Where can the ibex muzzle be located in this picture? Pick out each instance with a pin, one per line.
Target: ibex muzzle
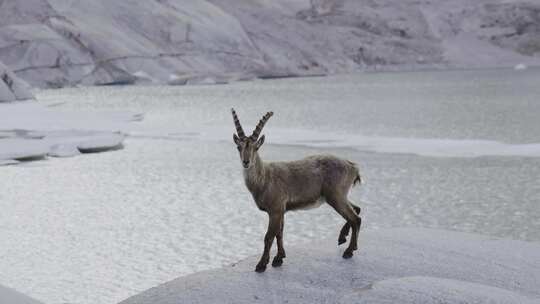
(278, 187)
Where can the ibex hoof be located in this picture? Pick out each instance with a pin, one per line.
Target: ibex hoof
(277, 261)
(347, 254)
(260, 268)
(341, 241)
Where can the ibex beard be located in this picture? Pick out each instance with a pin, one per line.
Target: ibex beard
(278, 187)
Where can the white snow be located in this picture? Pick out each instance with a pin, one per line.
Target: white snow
(520, 67)
(435, 147)
(5, 162)
(391, 266)
(419, 146)
(29, 130)
(10, 296)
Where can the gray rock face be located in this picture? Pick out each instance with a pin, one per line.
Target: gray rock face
(56, 43)
(10, 296)
(12, 87)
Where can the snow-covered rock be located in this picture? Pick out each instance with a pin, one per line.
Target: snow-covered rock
(56, 43)
(391, 266)
(10, 296)
(12, 87)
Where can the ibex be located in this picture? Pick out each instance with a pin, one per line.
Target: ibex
(278, 187)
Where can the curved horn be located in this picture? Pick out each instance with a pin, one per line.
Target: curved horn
(260, 125)
(238, 126)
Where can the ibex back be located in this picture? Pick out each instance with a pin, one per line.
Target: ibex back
(278, 187)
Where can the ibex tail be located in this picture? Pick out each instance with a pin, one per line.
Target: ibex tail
(357, 179)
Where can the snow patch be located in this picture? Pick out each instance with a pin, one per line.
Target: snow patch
(520, 67)
(419, 146)
(143, 77)
(6, 162)
(434, 147)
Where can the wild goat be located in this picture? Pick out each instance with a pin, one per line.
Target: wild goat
(278, 187)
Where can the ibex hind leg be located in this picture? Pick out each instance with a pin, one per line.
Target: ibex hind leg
(342, 206)
(346, 227)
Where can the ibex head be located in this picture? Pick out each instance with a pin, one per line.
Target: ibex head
(248, 146)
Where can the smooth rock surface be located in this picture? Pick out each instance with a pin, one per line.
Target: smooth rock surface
(12, 88)
(10, 296)
(57, 43)
(394, 265)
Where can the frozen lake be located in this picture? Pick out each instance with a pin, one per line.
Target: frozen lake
(460, 152)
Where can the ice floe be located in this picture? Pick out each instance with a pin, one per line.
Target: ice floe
(29, 130)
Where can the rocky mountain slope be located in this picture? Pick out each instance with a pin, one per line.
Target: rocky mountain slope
(57, 43)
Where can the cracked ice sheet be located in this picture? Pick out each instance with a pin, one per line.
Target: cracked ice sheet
(29, 130)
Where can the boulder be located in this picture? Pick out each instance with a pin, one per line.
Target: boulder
(12, 88)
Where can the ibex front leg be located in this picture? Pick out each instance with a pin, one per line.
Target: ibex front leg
(274, 220)
(278, 259)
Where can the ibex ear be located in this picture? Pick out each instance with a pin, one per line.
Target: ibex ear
(236, 139)
(260, 142)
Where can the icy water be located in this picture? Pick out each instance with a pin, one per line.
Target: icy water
(101, 227)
